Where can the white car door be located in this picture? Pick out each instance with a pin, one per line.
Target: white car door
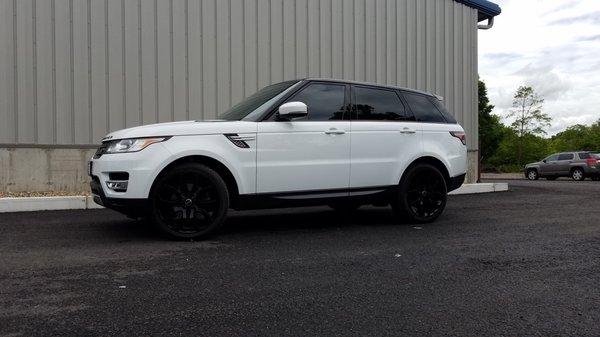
(310, 153)
(384, 137)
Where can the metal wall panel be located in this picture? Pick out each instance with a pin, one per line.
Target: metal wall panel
(7, 73)
(73, 70)
(81, 108)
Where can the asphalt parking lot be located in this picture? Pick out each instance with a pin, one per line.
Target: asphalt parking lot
(523, 262)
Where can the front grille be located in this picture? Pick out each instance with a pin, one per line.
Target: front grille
(101, 150)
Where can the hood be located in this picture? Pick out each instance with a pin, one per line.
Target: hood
(534, 164)
(208, 127)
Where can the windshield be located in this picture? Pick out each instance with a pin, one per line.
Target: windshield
(245, 107)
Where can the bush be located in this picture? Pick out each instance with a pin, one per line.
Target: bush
(533, 149)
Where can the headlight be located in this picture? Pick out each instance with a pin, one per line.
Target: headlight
(132, 145)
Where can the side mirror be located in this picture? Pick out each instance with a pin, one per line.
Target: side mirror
(544, 160)
(291, 110)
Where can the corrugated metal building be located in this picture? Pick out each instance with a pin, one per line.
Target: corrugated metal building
(73, 70)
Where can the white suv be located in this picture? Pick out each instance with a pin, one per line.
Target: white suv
(295, 143)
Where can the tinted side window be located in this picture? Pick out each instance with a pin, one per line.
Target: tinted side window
(565, 156)
(441, 108)
(584, 155)
(423, 109)
(325, 101)
(378, 105)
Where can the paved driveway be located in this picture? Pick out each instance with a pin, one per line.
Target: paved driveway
(523, 262)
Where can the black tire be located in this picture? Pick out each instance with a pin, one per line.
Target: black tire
(577, 174)
(551, 178)
(532, 174)
(345, 206)
(422, 194)
(189, 202)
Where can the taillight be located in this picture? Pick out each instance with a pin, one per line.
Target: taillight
(460, 135)
(591, 162)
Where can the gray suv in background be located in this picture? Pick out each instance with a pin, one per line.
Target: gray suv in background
(577, 165)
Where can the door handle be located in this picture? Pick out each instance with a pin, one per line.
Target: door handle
(407, 131)
(334, 131)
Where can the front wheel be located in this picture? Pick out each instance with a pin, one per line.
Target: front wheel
(189, 202)
(577, 174)
(532, 174)
(422, 194)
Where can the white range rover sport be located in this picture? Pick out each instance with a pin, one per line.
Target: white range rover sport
(294, 143)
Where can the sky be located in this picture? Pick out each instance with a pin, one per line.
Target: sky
(551, 45)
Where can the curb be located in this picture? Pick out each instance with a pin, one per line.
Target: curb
(502, 176)
(480, 188)
(46, 204)
(82, 202)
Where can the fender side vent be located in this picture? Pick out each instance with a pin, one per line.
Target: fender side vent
(238, 140)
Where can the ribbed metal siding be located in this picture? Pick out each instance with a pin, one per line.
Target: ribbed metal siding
(73, 70)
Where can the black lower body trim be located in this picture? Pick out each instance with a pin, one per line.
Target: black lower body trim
(365, 195)
(456, 182)
(134, 208)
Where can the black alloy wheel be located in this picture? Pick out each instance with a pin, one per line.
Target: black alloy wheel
(422, 194)
(189, 202)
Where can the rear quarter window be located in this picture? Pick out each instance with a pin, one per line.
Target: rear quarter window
(440, 106)
(423, 109)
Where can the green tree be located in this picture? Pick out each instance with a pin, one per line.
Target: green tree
(575, 137)
(578, 137)
(506, 157)
(490, 128)
(529, 120)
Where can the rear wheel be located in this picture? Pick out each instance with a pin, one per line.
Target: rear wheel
(577, 174)
(189, 202)
(422, 194)
(532, 174)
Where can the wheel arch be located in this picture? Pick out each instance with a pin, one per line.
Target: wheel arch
(577, 167)
(580, 168)
(216, 165)
(431, 161)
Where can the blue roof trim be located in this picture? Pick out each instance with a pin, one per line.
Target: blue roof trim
(484, 7)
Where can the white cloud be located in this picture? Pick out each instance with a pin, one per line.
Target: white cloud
(551, 45)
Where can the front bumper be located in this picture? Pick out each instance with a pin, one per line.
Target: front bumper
(130, 207)
(140, 167)
(131, 198)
